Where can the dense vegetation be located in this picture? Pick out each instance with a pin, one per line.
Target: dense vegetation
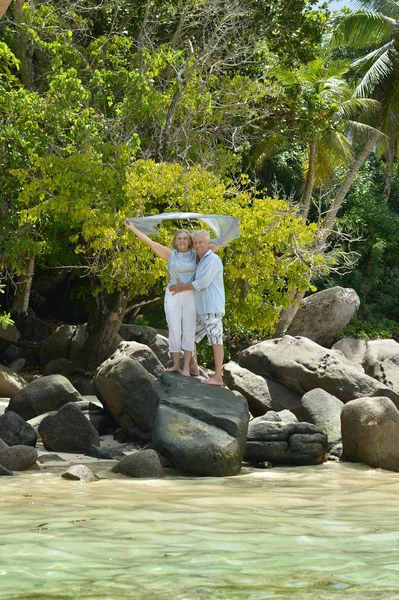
(278, 113)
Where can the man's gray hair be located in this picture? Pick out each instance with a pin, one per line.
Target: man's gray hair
(201, 233)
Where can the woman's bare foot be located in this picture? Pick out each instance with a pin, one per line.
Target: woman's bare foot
(173, 370)
(185, 373)
(214, 381)
(194, 372)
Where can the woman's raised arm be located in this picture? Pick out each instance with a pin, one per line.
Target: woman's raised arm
(162, 251)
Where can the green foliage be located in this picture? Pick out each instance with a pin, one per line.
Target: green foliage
(5, 318)
(271, 258)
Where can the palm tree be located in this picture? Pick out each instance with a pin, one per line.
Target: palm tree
(375, 33)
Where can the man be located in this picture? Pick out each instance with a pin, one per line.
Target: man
(210, 300)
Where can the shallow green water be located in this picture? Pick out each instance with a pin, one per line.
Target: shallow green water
(310, 533)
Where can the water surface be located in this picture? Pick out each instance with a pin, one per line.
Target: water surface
(308, 533)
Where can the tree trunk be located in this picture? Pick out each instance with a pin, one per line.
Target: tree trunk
(390, 155)
(287, 315)
(22, 294)
(102, 328)
(344, 189)
(4, 4)
(307, 192)
(24, 48)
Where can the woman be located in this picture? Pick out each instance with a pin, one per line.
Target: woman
(180, 309)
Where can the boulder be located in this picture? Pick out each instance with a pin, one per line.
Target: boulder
(10, 382)
(79, 473)
(199, 428)
(281, 416)
(352, 348)
(59, 366)
(302, 365)
(160, 347)
(58, 345)
(68, 431)
(105, 453)
(5, 472)
(124, 387)
(381, 361)
(143, 355)
(137, 333)
(18, 458)
(15, 431)
(262, 394)
(43, 395)
(143, 464)
(370, 432)
(9, 335)
(323, 315)
(17, 365)
(285, 443)
(3, 444)
(324, 410)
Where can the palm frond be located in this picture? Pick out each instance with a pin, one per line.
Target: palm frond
(381, 69)
(372, 56)
(390, 8)
(362, 29)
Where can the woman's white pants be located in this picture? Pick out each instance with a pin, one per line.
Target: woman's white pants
(181, 315)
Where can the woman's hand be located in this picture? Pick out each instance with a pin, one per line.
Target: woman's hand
(129, 225)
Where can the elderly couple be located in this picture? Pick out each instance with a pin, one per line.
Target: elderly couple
(194, 297)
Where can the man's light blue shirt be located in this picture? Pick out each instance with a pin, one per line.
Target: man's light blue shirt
(208, 285)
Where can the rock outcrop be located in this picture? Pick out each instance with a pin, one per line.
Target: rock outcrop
(201, 429)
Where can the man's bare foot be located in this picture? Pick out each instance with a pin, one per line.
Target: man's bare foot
(214, 381)
(185, 373)
(173, 370)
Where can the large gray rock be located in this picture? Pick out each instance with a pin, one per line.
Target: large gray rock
(323, 315)
(285, 443)
(199, 428)
(137, 333)
(143, 464)
(381, 361)
(18, 458)
(262, 394)
(58, 345)
(302, 365)
(15, 431)
(68, 431)
(10, 382)
(79, 473)
(124, 387)
(43, 395)
(143, 355)
(370, 432)
(9, 335)
(352, 348)
(324, 410)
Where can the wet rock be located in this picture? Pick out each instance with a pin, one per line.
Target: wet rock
(105, 453)
(200, 429)
(5, 472)
(18, 458)
(10, 382)
(79, 473)
(50, 457)
(370, 432)
(43, 395)
(285, 443)
(15, 431)
(323, 315)
(302, 365)
(142, 464)
(68, 431)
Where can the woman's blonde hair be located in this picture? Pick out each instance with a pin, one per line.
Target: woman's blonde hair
(174, 245)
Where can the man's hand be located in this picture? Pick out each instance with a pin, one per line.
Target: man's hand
(177, 287)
